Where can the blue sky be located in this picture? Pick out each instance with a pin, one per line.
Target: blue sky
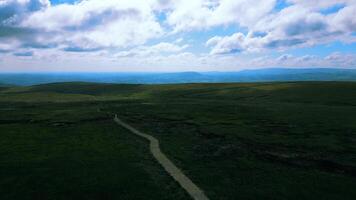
(175, 35)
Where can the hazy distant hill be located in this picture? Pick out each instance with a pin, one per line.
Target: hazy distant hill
(272, 74)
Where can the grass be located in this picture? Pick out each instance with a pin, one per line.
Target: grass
(236, 141)
(62, 151)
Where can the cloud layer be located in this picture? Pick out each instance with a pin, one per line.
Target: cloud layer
(163, 32)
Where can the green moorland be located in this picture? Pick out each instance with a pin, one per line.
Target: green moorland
(294, 140)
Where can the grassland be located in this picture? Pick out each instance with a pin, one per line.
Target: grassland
(236, 141)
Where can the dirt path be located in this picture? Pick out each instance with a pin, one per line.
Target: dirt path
(193, 190)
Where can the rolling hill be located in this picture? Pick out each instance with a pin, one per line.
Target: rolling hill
(286, 140)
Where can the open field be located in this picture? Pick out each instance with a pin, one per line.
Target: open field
(235, 141)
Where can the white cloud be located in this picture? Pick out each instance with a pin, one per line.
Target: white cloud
(229, 44)
(285, 57)
(118, 32)
(186, 15)
(157, 49)
(243, 12)
(179, 61)
(344, 20)
(12, 12)
(340, 59)
(97, 23)
(292, 27)
(320, 4)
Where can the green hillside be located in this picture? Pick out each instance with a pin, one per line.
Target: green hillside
(290, 140)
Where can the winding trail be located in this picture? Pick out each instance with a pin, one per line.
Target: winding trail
(193, 190)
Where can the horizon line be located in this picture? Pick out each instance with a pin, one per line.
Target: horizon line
(158, 72)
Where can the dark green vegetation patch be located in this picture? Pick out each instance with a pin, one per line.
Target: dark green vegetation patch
(236, 141)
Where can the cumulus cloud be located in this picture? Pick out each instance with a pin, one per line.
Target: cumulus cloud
(284, 57)
(86, 25)
(298, 25)
(12, 12)
(340, 59)
(186, 15)
(344, 20)
(123, 31)
(98, 23)
(334, 60)
(231, 44)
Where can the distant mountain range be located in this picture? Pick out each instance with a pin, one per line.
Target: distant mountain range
(260, 75)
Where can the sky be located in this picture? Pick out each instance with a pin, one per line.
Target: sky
(175, 35)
